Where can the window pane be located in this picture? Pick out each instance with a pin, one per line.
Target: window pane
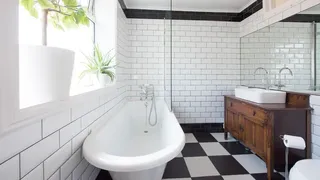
(80, 40)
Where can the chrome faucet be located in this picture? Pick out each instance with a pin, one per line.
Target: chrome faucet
(147, 91)
(266, 76)
(280, 85)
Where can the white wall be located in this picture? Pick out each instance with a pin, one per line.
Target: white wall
(50, 147)
(9, 73)
(315, 136)
(274, 47)
(206, 64)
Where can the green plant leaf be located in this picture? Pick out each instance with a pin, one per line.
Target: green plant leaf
(69, 22)
(45, 4)
(57, 25)
(100, 63)
(70, 3)
(110, 74)
(29, 6)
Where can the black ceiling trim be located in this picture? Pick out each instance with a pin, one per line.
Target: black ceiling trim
(122, 4)
(190, 15)
(180, 15)
(303, 18)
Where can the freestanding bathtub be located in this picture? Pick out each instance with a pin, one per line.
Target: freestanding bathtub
(130, 149)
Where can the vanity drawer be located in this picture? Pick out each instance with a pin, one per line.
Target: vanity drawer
(257, 114)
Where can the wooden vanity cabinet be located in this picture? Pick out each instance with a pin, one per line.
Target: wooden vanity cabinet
(259, 126)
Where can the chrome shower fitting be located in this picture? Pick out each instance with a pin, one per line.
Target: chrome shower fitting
(148, 91)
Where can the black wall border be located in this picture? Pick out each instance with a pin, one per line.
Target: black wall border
(202, 127)
(122, 4)
(309, 18)
(189, 15)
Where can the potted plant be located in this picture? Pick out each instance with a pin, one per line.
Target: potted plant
(101, 65)
(45, 72)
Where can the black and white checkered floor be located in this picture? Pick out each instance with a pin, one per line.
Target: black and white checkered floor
(207, 156)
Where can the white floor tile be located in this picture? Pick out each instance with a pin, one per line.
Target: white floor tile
(214, 149)
(190, 138)
(238, 177)
(179, 155)
(251, 163)
(220, 137)
(200, 166)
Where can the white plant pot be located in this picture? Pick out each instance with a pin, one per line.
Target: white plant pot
(104, 80)
(45, 74)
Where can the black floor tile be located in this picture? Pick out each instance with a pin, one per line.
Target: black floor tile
(204, 137)
(263, 176)
(208, 178)
(192, 150)
(227, 165)
(176, 168)
(104, 175)
(235, 148)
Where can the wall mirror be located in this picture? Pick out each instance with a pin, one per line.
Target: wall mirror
(284, 55)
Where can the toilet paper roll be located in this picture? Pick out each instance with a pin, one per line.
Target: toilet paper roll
(294, 142)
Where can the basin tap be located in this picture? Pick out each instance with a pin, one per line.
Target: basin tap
(280, 85)
(266, 76)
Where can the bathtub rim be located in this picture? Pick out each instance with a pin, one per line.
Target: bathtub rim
(102, 160)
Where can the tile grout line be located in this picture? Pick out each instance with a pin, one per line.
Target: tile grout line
(19, 165)
(59, 133)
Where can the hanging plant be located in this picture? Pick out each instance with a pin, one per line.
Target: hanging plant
(61, 14)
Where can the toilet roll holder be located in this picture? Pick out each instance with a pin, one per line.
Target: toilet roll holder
(286, 173)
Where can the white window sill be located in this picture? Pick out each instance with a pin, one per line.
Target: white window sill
(29, 115)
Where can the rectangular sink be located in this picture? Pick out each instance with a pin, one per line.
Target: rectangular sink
(261, 95)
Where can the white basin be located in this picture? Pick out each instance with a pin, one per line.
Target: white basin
(261, 95)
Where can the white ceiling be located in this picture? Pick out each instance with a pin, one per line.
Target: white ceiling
(191, 5)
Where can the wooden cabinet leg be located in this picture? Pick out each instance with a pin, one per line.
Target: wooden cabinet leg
(225, 135)
(270, 171)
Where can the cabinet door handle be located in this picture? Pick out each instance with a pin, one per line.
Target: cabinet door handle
(231, 104)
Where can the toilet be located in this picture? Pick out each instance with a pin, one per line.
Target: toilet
(308, 169)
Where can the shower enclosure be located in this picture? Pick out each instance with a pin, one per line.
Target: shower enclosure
(316, 56)
(167, 62)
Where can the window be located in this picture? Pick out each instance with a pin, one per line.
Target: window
(103, 25)
(80, 40)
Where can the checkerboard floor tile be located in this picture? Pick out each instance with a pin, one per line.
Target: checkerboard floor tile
(209, 157)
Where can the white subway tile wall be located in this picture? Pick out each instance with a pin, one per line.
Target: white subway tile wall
(206, 64)
(317, 51)
(315, 130)
(283, 44)
(147, 50)
(51, 147)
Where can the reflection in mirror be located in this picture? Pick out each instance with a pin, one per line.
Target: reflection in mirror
(284, 55)
(283, 50)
